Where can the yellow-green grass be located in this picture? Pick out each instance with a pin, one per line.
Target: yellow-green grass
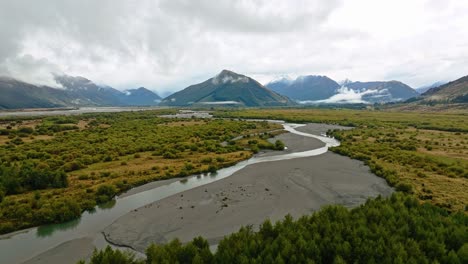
(423, 154)
(177, 148)
(146, 168)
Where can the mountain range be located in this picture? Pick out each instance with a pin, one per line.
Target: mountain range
(322, 89)
(227, 88)
(75, 91)
(304, 88)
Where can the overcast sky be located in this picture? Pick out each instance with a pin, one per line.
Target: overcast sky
(166, 45)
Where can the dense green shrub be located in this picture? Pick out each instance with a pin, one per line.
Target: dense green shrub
(110, 256)
(25, 130)
(105, 192)
(212, 169)
(279, 145)
(196, 251)
(393, 230)
(404, 187)
(30, 176)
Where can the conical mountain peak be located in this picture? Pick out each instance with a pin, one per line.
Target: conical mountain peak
(227, 88)
(228, 73)
(227, 76)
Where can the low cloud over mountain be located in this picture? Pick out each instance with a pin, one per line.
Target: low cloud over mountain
(73, 91)
(321, 89)
(169, 44)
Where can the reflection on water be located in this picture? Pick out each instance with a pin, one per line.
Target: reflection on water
(109, 205)
(48, 230)
(183, 181)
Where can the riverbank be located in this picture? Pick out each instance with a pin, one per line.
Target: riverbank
(294, 144)
(268, 190)
(68, 252)
(254, 179)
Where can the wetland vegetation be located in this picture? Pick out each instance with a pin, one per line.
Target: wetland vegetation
(51, 169)
(425, 155)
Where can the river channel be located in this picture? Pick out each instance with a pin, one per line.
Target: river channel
(22, 245)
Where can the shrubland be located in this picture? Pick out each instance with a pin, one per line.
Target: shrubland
(87, 159)
(423, 154)
(398, 229)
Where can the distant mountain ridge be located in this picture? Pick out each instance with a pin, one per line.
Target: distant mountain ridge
(140, 97)
(227, 88)
(322, 89)
(85, 92)
(385, 91)
(76, 91)
(426, 88)
(18, 94)
(449, 97)
(310, 87)
(453, 92)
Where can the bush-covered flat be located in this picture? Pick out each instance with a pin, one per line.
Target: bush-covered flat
(54, 168)
(394, 230)
(51, 169)
(425, 154)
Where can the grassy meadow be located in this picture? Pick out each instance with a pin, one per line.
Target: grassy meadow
(424, 154)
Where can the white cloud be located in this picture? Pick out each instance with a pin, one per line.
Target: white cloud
(167, 45)
(349, 96)
(32, 70)
(224, 79)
